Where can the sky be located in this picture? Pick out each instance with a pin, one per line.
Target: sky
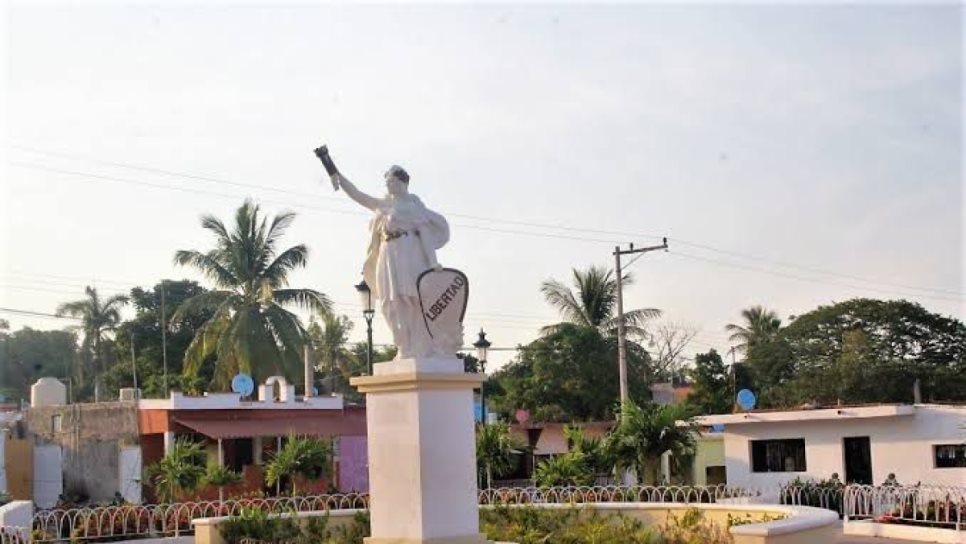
(794, 155)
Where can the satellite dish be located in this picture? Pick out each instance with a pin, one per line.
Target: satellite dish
(242, 384)
(746, 399)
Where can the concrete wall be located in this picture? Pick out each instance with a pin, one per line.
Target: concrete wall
(19, 453)
(129, 473)
(3, 459)
(48, 479)
(709, 452)
(91, 437)
(93, 468)
(17, 514)
(901, 444)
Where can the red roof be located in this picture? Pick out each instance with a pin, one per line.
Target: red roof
(341, 423)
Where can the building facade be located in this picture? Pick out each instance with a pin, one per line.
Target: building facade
(861, 444)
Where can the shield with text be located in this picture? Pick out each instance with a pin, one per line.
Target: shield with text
(442, 298)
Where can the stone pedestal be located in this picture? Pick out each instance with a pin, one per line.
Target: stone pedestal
(422, 459)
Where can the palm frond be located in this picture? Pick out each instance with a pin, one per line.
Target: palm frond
(290, 259)
(207, 264)
(309, 299)
(207, 301)
(562, 298)
(215, 225)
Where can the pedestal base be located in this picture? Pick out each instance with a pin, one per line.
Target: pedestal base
(477, 539)
(422, 457)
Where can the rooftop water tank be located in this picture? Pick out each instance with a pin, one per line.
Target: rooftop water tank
(47, 392)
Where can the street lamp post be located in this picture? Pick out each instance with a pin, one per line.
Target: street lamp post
(482, 345)
(365, 296)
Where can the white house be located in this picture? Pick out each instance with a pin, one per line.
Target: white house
(862, 444)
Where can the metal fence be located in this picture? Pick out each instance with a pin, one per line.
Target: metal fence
(599, 481)
(14, 535)
(162, 520)
(611, 493)
(934, 506)
(923, 505)
(827, 497)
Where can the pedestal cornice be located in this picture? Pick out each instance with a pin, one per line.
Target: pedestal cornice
(413, 381)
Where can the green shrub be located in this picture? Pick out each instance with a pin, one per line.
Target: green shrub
(256, 526)
(562, 526)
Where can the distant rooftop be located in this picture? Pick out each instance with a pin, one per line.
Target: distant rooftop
(811, 413)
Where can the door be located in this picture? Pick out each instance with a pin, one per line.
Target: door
(858, 460)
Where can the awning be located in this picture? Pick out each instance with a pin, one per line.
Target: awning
(342, 424)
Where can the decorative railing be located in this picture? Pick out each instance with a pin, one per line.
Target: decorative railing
(103, 523)
(827, 497)
(934, 506)
(923, 505)
(681, 494)
(14, 535)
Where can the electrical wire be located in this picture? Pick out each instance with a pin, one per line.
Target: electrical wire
(696, 245)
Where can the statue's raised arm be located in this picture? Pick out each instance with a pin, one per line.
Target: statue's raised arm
(338, 180)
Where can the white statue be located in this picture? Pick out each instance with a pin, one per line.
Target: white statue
(404, 237)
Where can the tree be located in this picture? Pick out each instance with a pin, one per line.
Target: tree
(179, 471)
(28, 354)
(759, 325)
(220, 476)
(711, 390)
(304, 456)
(569, 374)
(98, 317)
(593, 302)
(495, 448)
(595, 455)
(145, 332)
(250, 329)
(333, 358)
(644, 433)
(568, 469)
(667, 343)
(863, 350)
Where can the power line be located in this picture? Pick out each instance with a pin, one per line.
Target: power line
(697, 245)
(36, 314)
(815, 270)
(507, 231)
(810, 280)
(289, 204)
(301, 193)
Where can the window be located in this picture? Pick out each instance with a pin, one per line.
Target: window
(57, 423)
(949, 455)
(778, 455)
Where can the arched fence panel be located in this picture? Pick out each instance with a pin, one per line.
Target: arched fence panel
(936, 506)
(126, 522)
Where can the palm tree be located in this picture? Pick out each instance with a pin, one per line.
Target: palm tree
(495, 447)
(595, 454)
(568, 469)
(250, 330)
(593, 302)
(644, 434)
(98, 317)
(333, 357)
(180, 470)
(308, 457)
(220, 476)
(760, 325)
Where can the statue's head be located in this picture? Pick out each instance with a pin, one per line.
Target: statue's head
(397, 180)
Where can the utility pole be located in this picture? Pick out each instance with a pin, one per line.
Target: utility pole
(134, 367)
(164, 341)
(621, 349)
(734, 386)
